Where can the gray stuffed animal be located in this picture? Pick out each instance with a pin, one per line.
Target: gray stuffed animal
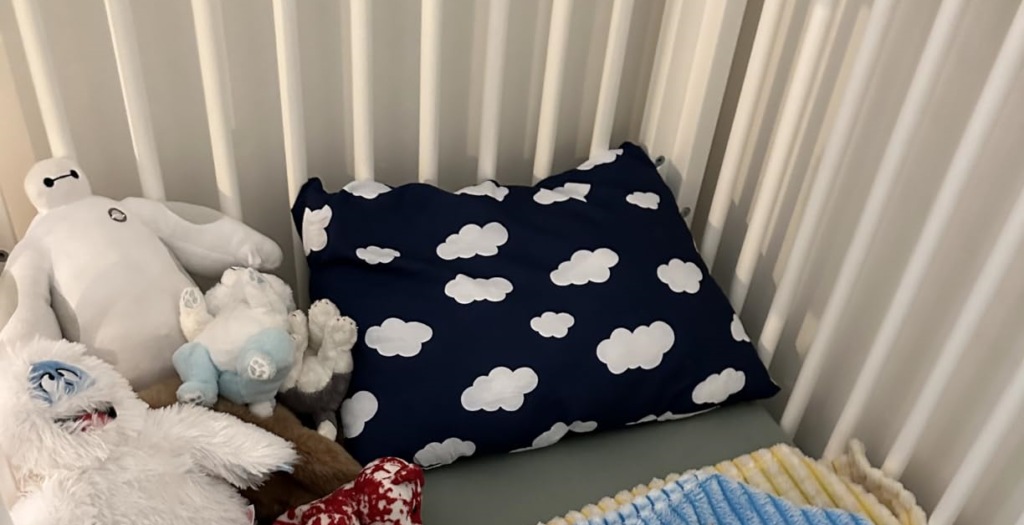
(320, 379)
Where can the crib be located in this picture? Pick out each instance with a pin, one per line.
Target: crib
(851, 168)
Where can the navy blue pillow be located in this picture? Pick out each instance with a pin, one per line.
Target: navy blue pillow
(504, 318)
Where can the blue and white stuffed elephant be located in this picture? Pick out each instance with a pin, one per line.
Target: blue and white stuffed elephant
(239, 345)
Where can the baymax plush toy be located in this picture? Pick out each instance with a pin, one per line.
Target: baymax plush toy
(319, 382)
(110, 274)
(239, 344)
(83, 449)
(389, 491)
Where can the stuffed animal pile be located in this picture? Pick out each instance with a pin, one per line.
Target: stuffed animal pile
(109, 274)
(84, 449)
(114, 277)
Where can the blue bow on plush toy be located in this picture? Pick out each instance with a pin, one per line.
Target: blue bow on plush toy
(239, 345)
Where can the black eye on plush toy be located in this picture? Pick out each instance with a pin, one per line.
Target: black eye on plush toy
(48, 182)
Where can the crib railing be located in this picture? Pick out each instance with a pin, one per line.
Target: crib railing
(770, 98)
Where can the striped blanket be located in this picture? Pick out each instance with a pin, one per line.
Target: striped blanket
(700, 499)
(780, 477)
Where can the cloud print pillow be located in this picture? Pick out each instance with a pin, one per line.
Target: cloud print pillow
(503, 318)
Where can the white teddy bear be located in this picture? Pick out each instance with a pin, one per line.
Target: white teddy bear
(83, 449)
(319, 382)
(239, 346)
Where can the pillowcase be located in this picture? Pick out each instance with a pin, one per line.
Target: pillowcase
(502, 318)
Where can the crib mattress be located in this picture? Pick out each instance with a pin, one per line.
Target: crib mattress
(534, 486)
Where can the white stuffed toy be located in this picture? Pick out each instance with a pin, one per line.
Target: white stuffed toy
(83, 449)
(239, 342)
(317, 386)
(110, 273)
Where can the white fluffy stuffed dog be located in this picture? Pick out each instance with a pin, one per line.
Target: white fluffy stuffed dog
(83, 449)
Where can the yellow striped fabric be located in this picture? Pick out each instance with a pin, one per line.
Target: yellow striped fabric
(848, 482)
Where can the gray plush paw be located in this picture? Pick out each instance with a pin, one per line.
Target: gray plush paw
(341, 333)
(195, 393)
(320, 313)
(192, 299)
(328, 430)
(260, 368)
(263, 408)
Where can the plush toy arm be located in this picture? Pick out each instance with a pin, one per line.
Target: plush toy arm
(298, 328)
(26, 278)
(222, 445)
(205, 241)
(54, 502)
(37, 508)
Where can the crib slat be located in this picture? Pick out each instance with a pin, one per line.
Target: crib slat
(743, 123)
(360, 30)
(793, 106)
(136, 103)
(44, 79)
(216, 95)
(979, 128)
(824, 177)
(713, 57)
(7, 235)
(611, 76)
(289, 76)
(997, 427)
(494, 68)
(551, 92)
(924, 80)
(986, 111)
(967, 322)
(430, 67)
(659, 73)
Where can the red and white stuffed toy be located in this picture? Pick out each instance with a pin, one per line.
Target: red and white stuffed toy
(387, 492)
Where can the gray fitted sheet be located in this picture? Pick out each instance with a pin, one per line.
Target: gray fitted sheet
(529, 487)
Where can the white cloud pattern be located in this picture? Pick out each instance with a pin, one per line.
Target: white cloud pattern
(669, 416)
(644, 199)
(377, 255)
(738, 332)
(367, 189)
(558, 431)
(466, 289)
(487, 188)
(552, 324)
(586, 266)
(718, 387)
(602, 157)
(356, 411)
(472, 240)
(681, 276)
(437, 454)
(641, 348)
(397, 337)
(569, 190)
(500, 389)
(314, 228)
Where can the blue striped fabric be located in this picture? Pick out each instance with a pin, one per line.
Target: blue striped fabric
(717, 500)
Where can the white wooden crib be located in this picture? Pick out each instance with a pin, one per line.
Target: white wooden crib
(852, 168)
